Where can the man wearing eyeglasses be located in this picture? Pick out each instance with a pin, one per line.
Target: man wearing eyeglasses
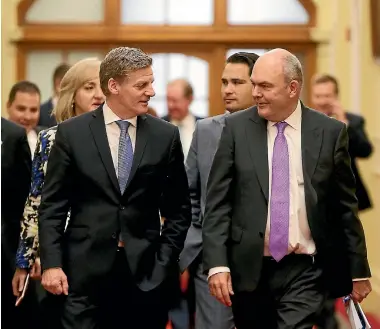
(237, 95)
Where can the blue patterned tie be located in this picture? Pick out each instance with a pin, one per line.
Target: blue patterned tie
(125, 158)
(280, 196)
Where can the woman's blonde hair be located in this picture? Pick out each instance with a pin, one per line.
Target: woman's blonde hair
(81, 72)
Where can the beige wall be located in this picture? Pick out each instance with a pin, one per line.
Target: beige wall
(369, 89)
(8, 51)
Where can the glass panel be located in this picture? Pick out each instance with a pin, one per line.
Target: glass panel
(169, 12)
(266, 12)
(76, 56)
(68, 11)
(190, 12)
(167, 67)
(40, 67)
(143, 11)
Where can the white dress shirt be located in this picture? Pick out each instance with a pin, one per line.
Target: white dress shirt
(113, 133)
(300, 240)
(186, 129)
(32, 141)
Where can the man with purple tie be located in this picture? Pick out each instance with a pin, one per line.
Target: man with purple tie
(281, 231)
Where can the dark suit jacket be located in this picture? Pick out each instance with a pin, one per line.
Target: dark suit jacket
(359, 147)
(46, 119)
(237, 201)
(15, 184)
(81, 177)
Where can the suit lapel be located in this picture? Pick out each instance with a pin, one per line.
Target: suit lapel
(141, 140)
(311, 142)
(98, 130)
(256, 132)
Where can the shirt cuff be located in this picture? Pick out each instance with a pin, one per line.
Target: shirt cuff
(361, 279)
(216, 270)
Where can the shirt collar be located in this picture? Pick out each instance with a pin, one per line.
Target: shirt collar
(294, 120)
(110, 116)
(187, 120)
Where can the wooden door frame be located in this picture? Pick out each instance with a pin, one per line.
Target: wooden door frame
(207, 42)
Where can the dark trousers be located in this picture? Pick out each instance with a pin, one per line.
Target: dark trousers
(117, 303)
(288, 296)
(327, 318)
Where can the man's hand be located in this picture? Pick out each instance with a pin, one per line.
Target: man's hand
(35, 272)
(338, 112)
(361, 290)
(54, 280)
(220, 285)
(184, 280)
(18, 281)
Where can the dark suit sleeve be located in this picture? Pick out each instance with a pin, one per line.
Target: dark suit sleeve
(359, 144)
(22, 170)
(55, 203)
(175, 205)
(347, 209)
(194, 178)
(217, 219)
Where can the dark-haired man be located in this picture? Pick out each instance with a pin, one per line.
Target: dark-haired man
(237, 95)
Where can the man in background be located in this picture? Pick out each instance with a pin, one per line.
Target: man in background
(179, 97)
(237, 95)
(325, 94)
(23, 108)
(46, 118)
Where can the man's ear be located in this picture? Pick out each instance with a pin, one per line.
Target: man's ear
(113, 86)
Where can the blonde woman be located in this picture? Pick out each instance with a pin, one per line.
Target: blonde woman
(80, 92)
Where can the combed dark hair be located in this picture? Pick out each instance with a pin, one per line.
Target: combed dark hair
(324, 78)
(23, 87)
(244, 58)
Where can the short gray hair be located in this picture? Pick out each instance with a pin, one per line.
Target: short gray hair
(292, 69)
(119, 62)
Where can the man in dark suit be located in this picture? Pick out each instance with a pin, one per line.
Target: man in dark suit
(116, 169)
(46, 118)
(325, 93)
(281, 229)
(237, 96)
(15, 183)
(23, 108)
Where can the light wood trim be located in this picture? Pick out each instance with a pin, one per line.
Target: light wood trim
(21, 63)
(216, 66)
(22, 9)
(165, 34)
(375, 27)
(311, 9)
(112, 12)
(220, 13)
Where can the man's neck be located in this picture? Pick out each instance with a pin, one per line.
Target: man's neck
(119, 110)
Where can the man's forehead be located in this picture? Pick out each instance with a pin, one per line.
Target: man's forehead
(236, 70)
(26, 97)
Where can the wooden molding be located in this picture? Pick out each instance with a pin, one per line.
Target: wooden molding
(86, 33)
(22, 9)
(112, 12)
(375, 25)
(311, 9)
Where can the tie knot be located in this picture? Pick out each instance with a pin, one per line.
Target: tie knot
(281, 126)
(123, 125)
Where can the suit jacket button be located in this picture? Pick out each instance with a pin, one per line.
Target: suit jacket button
(114, 235)
(122, 207)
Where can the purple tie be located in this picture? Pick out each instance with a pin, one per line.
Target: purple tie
(279, 200)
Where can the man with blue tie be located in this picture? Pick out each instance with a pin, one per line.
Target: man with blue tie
(116, 169)
(281, 231)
